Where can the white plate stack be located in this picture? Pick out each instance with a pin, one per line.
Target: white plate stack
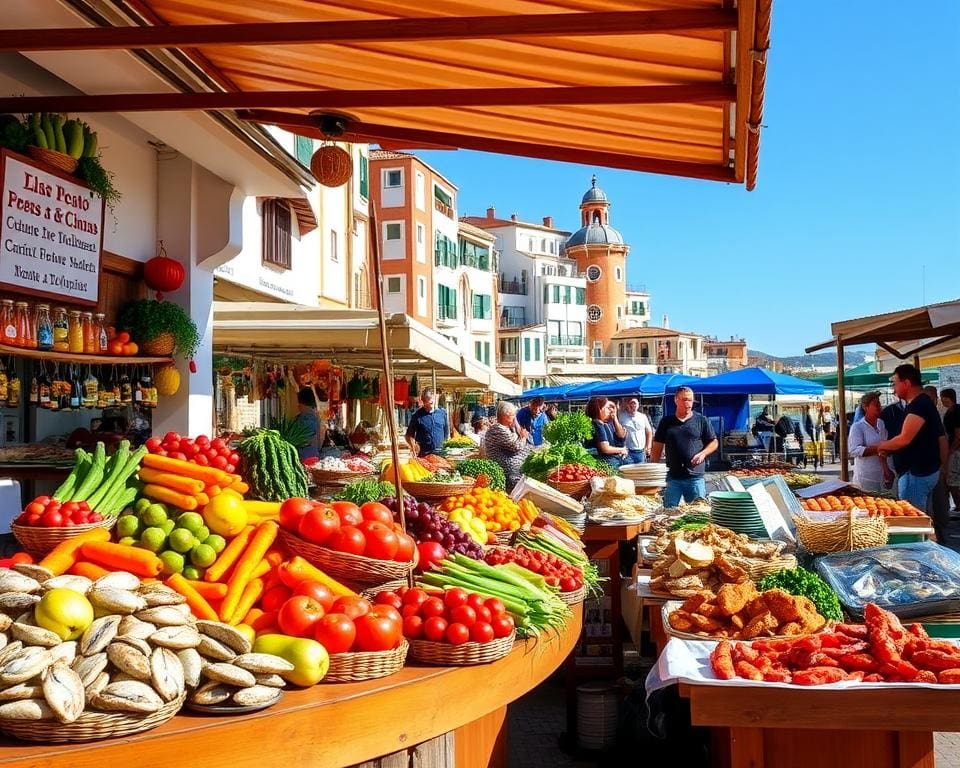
(646, 475)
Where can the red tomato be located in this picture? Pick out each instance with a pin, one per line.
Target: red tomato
(374, 510)
(349, 512)
(219, 462)
(33, 520)
(502, 626)
(172, 446)
(415, 596)
(481, 632)
(496, 606)
(483, 615)
(317, 590)
(348, 539)
(298, 615)
(153, 444)
(454, 597)
(409, 610)
(464, 614)
(70, 507)
(382, 543)
(51, 519)
(379, 630)
(273, 599)
(406, 546)
(389, 598)
(318, 525)
(230, 468)
(21, 557)
(291, 511)
(474, 600)
(170, 437)
(412, 627)
(202, 440)
(432, 606)
(201, 460)
(335, 632)
(435, 628)
(430, 552)
(235, 458)
(218, 444)
(178, 455)
(80, 516)
(35, 508)
(351, 606)
(457, 634)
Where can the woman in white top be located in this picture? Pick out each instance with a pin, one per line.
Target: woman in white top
(870, 472)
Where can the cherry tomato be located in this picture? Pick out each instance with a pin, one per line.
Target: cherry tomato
(412, 627)
(170, 437)
(463, 614)
(202, 440)
(298, 615)
(389, 598)
(454, 597)
(474, 600)
(496, 606)
(153, 444)
(415, 596)
(483, 615)
(235, 458)
(51, 519)
(481, 632)
(374, 510)
(35, 508)
(351, 606)
(348, 539)
(457, 634)
(435, 628)
(317, 590)
(201, 459)
(335, 632)
(218, 444)
(219, 462)
(432, 606)
(502, 626)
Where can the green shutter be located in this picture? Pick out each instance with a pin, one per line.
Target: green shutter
(477, 350)
(364, 176)
(556, 294)
(486, 352)
(546, 294)
(536, 349)
(304, 150)
(526, 348)
(487, 307)
(581, 296)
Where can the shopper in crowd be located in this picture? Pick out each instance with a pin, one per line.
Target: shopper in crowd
(639, 433)
(429, 426)
(533, 419)
(687, 439)
(551, 411)
(813, 432)
(829, 431)
(940, 498)
(892, 416)
(923, 442)
(506, 443)
(308, 419)
(608, 433)
(951, 425)
(478, 428)
(764, 422)
(870, 472)
(931, 392)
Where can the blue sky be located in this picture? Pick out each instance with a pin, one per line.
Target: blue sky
(859, 185)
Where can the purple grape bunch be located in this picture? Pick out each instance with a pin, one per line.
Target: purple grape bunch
(426, 524)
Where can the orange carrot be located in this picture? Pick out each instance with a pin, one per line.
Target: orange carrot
(297, 569)
(91, 570)
(170, 496)
(186, 468)
(210, 591)
(252, 615)
(263, 537)
(251, 593)
(180, 483)
(229, 556)
(211, 490)
(60, 559)
(240, 487)
(262, 569)
(122, 558)
(202, 499)
(198, 604)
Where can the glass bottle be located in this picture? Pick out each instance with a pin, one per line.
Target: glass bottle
(75, 332)
(4, 385)
(104, 393)
(126, 389)
(8, 322)
(114, 388)
(90, 344)
(13, 391)
(89, 390)
(44, 327)
(100, 329)
(61, 330)
(25, 337)
(43, 390)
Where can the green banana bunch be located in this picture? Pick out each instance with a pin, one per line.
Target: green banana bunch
(39, 136)
(61, 141)
(71, 137)
(73, 132)
(46, 123)
(90, 142)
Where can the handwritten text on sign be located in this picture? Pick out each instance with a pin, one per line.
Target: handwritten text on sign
(51, 233)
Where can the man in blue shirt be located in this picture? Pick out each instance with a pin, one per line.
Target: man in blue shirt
(532, 418)
(428, 427)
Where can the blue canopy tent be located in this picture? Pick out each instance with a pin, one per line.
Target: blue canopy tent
(645, 385)
(751, 381)
(581, 391)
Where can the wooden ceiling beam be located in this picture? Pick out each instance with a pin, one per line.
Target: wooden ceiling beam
(370, 133)
(370, 30)
(688, 93)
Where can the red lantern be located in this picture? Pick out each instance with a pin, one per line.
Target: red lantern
(161, 273)
(331, 165)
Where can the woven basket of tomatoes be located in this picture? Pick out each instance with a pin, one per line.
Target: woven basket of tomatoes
(572, 479)
(557, 573)
(46, 522)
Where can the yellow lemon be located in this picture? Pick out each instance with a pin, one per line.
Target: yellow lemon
(225, 515)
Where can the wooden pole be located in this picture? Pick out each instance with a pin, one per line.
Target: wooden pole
(842, 413)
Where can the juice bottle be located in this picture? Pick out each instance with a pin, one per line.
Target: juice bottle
(8, 323)
(61, 330)
(4, 384)
(13, 391)
(90, 344)
(100, 328)
(44, 327)
(75, 332)
(25, 337)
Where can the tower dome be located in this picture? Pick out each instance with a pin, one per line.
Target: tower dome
(595, 233)
(594, 194)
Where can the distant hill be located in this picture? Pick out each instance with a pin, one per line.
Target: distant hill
(850, 357)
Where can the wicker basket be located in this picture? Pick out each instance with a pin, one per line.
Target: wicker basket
(435, 492)
(757, 569)
(575, 490)
(388, 586)
(365, 665)
(842, 535)
(54, 159)
(324, 476)
(160, 345)
(577, 596)
(91, 725)
(446, 655)
(356, 569)
(38, 541)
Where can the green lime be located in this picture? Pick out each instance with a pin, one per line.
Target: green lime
(203, 534)
(141, 505)
(191, 521)
(192, 572)
(217, 542)
(172, 562)
(128, 541)
(154, 515)
(153, 539)
(181, 540)
(167, 526)
(203, 556)
(128, 525)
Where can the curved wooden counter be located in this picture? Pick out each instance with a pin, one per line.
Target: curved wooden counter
(328, 725)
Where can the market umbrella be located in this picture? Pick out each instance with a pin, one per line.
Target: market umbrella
(750, 381)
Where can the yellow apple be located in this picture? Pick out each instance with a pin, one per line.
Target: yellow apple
(64, 612)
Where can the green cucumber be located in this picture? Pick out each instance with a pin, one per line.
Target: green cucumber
(93, 479)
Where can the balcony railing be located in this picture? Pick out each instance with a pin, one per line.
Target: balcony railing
(512, 321)
(447, 312)
(508, 358)
(445, 209)
(565, 341)
(515, 287)
(605, 360)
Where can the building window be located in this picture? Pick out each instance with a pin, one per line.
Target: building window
(555, 294)
(277, 234)
(513, 317)
(393, 179)
(526, 349)
(393, 231)
(473, 255)
(509, 349)
(443, 202)
(422, 287)
(446, 303)
(594, 313)
(393, 285)
(421, 233)
(594, 273)
(553, 247)
(445, 252)
(619, 274)
(482, 306)
(364, 172)
(619, 311)
(536, 348)
(334, 255)
(530, 244)
(581, 296)
(543, 244)
(645, 350)
(304, 150)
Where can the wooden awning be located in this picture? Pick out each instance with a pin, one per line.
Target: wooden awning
(664, 86)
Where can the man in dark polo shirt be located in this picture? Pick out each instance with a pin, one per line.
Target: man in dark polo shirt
(428, 427)
(921, 444)
(688, 439)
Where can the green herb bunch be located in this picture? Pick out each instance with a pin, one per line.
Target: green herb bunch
(801, 582)
(290, 430)
(146, 319)
(477, 467)
(574, 427)
(542, 462)
(99, 179)
(362, 491)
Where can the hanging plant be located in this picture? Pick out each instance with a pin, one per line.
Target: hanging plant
(148, 320)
